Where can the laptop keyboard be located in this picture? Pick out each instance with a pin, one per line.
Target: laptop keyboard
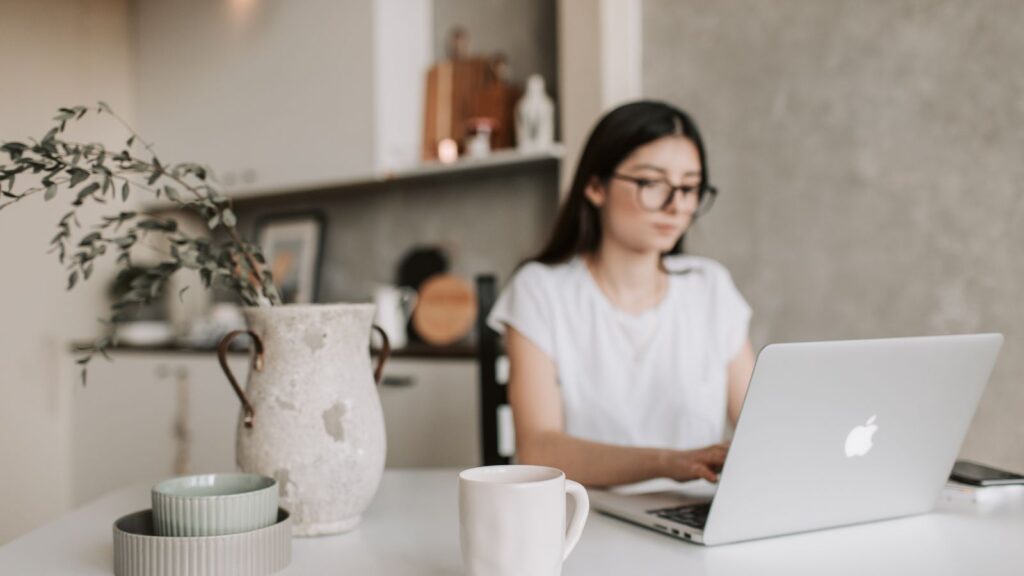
(695, 515)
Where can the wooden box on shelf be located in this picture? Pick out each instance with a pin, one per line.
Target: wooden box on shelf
(459, 91)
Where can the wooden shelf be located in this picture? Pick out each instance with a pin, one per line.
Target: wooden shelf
(497, 161)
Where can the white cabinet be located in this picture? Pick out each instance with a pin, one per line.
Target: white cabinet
(145, 416)
(282, 94)
(432, 413)
(150, 415)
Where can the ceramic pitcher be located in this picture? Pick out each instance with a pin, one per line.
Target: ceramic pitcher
(311, 417)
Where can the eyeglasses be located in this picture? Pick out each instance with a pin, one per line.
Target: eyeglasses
(657, 195)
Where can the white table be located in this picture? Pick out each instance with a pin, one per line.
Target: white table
(412, 528)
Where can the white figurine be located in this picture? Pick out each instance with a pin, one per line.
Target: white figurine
(535, 117)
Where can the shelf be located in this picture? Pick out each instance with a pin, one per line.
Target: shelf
(420, 351)
(497, 161)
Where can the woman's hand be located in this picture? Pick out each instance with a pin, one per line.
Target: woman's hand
(703, 463)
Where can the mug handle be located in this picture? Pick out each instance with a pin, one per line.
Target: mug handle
(382, 357)
(578, 493)
(257, 364)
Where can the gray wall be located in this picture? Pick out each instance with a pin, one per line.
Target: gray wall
(869, 156)
(486, 222)
(523, 29)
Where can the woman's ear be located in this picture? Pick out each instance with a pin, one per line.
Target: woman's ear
(595, 192)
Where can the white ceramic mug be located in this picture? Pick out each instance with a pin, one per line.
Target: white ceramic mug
(394, 307)
(512, 520)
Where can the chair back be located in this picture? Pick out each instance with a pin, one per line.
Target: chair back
(496, 430)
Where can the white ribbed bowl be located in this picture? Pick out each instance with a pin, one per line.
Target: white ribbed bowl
(138, 551)
(214, 504)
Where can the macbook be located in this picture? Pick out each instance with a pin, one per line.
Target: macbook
(831, 434)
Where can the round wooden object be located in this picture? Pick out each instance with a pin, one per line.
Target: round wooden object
(445, 310)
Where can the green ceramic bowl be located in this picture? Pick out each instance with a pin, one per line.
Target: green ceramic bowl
(214, 504)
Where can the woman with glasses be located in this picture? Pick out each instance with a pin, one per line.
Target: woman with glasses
(627, 356)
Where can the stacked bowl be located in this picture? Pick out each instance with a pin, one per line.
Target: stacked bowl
(210, 524)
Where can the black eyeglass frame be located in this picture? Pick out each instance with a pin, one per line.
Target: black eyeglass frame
(703, 190)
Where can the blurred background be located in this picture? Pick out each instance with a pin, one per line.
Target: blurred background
(868, 157)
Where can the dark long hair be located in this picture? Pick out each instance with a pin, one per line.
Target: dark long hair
(620, 132)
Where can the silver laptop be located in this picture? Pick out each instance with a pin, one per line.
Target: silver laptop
(831, 433)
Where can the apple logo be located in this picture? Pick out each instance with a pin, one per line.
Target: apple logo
(858, 442)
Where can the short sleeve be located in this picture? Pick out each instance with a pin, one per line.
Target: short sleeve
(525, 304)
(731, 313)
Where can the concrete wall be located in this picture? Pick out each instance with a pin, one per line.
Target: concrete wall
(869, 159)
(53, 53)
(486, 222)
(523, 30)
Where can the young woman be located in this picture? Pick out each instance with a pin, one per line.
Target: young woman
(626, 355)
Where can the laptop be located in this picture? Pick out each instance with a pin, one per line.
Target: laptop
(831, 434)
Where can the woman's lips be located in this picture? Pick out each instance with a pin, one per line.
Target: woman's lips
(667, 228)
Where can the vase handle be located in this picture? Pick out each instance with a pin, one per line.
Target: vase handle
(385, 352)
(257, 364)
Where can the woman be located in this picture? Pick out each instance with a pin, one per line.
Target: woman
(627, 356)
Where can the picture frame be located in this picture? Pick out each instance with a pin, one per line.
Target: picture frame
(292, 244)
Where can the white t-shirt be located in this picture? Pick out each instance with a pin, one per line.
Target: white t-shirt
(655, 379)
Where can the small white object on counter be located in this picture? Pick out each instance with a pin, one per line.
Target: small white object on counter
(145, 333)
(981, 497)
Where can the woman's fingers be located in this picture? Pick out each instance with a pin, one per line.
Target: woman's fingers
(707, 474)
(703, 463)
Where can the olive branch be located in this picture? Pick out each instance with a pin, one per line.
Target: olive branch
(80, 173)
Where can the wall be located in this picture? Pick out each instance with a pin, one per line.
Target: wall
(523, 30)
(53, 53)
(268, 93)
(486, 222)
(869, 158)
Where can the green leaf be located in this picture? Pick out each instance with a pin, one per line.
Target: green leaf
(89, 239)
(78, 176)
(124, 192)
(51, 191)
(14, 149)
(104, 107)
(85, 192)
(229, 218)
(72, 280)
(214, 222)
(172, 194)
(156, 224)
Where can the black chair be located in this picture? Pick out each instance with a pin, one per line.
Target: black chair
(496, 443)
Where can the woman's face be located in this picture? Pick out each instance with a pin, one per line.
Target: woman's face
(624, 218)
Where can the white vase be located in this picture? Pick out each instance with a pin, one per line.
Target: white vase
(311, 417)
(535, 117)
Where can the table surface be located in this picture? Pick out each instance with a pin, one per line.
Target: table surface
(412, 528)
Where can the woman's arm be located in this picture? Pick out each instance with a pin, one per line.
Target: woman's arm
(540, 437)
(740, 369)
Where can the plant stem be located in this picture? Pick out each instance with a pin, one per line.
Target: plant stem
(30, 192)
(253, 264)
